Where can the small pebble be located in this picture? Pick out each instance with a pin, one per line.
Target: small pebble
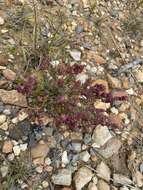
(2, 118)
(16, 150)
(1, 21)
(45, 184)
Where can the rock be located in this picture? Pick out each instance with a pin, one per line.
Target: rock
(76, 136)
(76, 147)
(91, 55)
(82, 177)
(63, 177)
(124, 188)
(113, 187)
(76, 55)
(7, 147)
(16, 150)
(4, 126)
(87, 138)
(101, 105)
(116, 121)
(114, 110)
(65, 158)
(2, 118)
(48, 161)
(138, 178)
(24, 127)
(45, 184)
(103, 171)
(82, 77)
(13, 97)
(95, 180)
(114, 82)
(100, 136)
(141, 167)
(92, 186)
(1, 21)
(110, 148)
(9, 74)
(66, 188)
(119, 94)
(120, 179)
(39, 169)
(84, 156)
(102, 185)
(23, 147)
(40, 151)
(139, 75)
(4, 171)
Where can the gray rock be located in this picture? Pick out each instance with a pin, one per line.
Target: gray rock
(87, 138)
(63, 177)
(120, 179)
(82, 177)
(19, 131)
(141, 167)
(110, 148)
(2, 107)
(103, 171)
(76, 147)
(79, 29)
(101, 135)
(48, 131)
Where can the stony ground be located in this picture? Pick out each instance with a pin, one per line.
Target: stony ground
(105, 37)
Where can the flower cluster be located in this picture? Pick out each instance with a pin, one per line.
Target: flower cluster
(28, 86)
(65, 99)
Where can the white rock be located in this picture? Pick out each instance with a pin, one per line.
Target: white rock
(141, 43)
(130, 91)
(1, 21)
(139, 75)
(103, 171)
(95, 180)
(82, 78)
(92, 186)
(63, 177)
(39, 169)
(76, 55)
(114, 110)
(11, 157)
(65, 158)
(121, 179)
(82, 177)
(84, 156)
(124, 188)
(4, 170)
(2, 118)
(45, 184)
(4, 126)
(101, 105)
(23, 147)
(100, 136)
(48, 161)
(16, 150)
